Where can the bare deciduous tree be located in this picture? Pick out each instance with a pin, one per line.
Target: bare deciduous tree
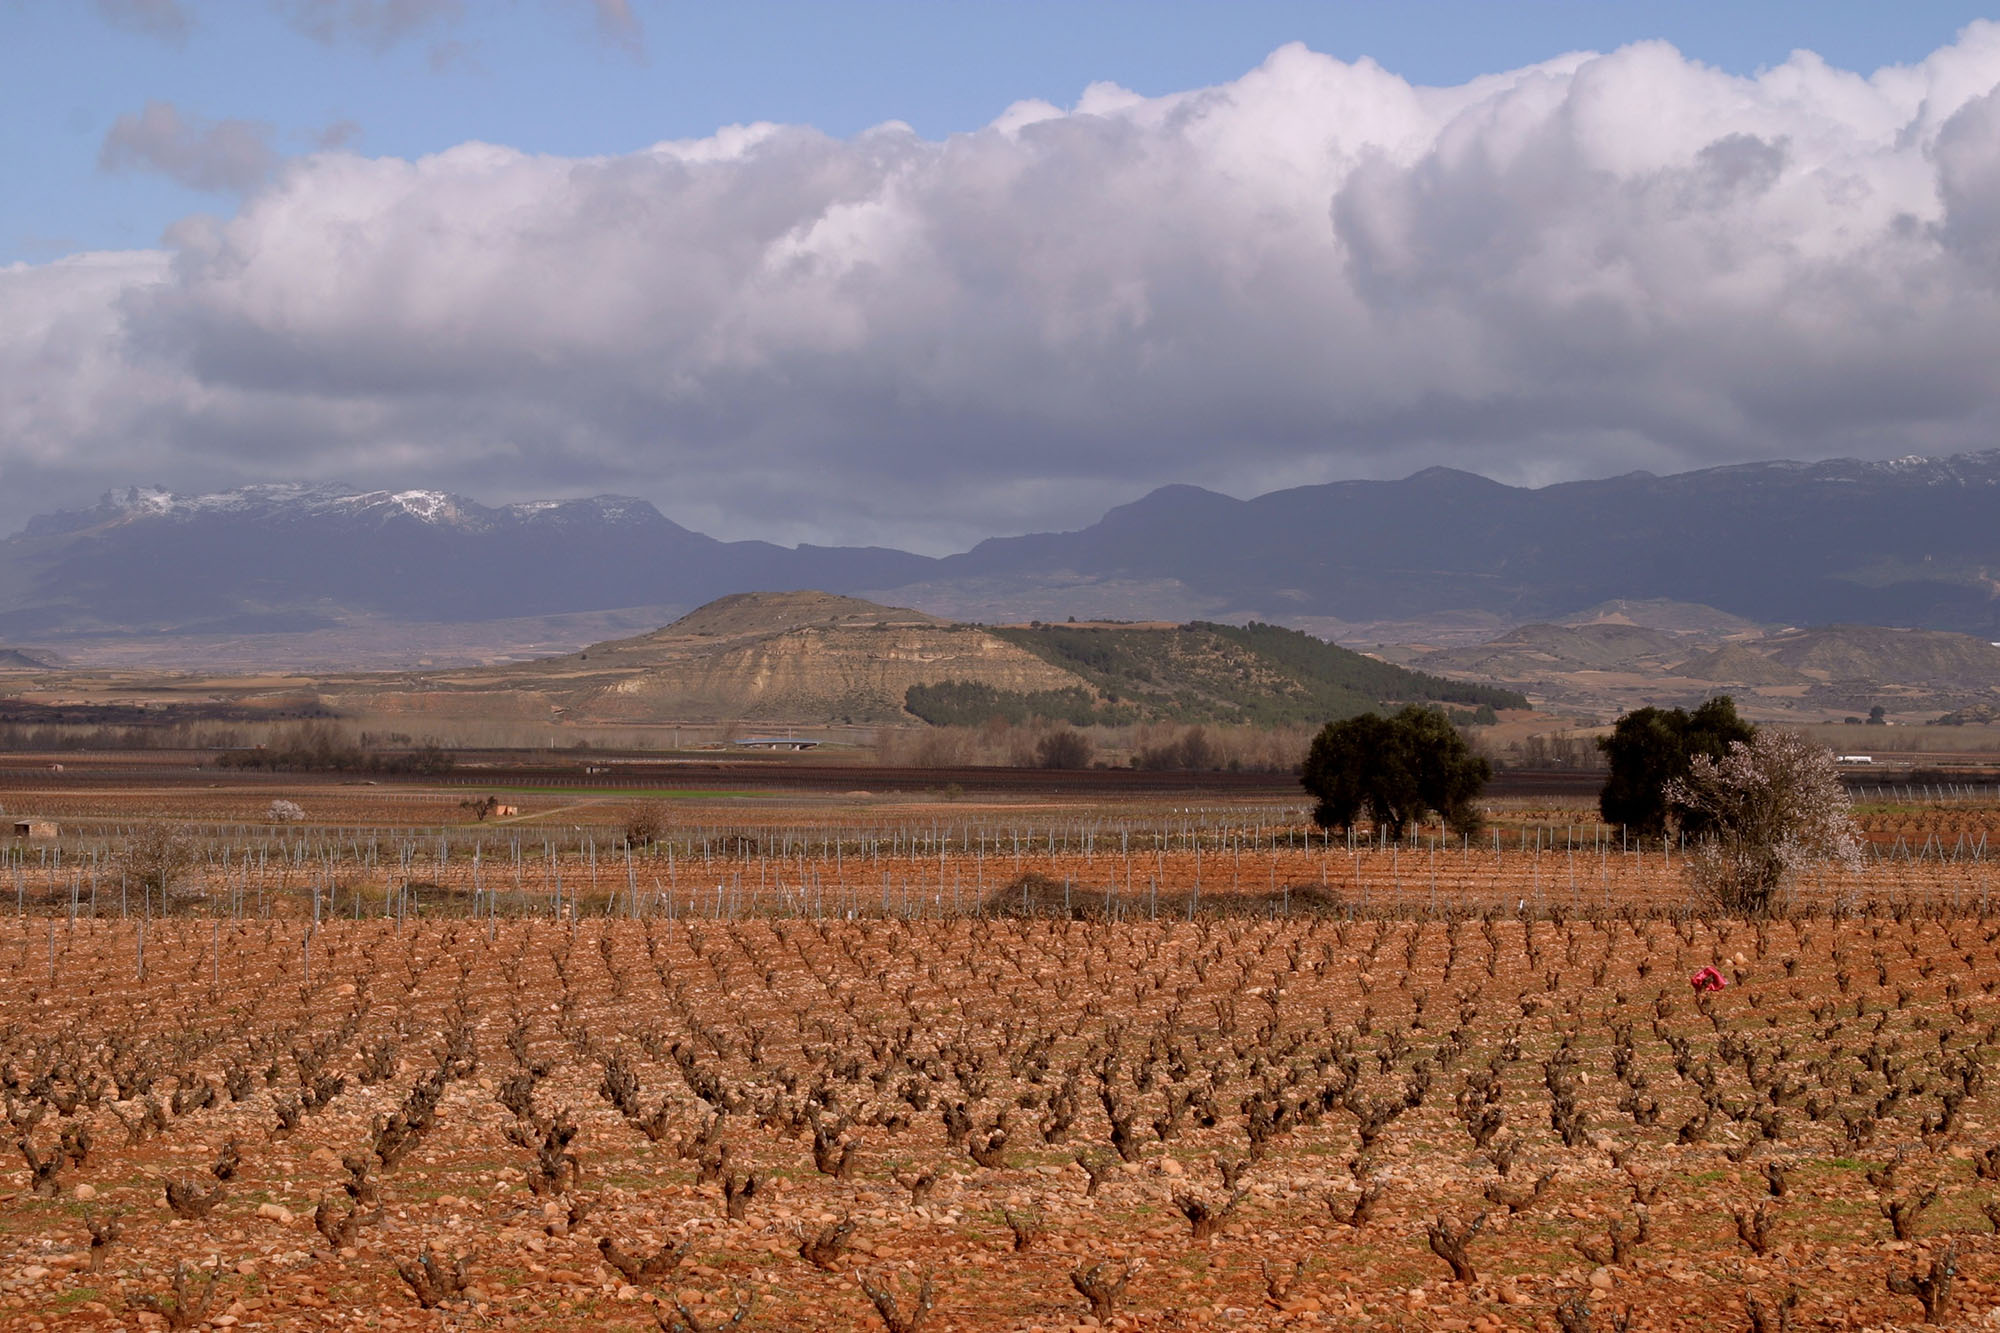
(646, 824)
(1775, 806)
(158, 858)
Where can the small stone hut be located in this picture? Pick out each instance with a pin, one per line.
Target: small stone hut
(37, 830)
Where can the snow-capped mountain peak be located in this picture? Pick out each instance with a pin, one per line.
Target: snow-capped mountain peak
(293, 502)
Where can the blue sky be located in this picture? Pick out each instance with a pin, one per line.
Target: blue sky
(553, 76)
(982, 268)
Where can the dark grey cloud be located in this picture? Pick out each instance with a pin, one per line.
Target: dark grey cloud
(380, 25)
(377, 24)
(340, 134)
(203, 154)
(164, 19)
(1318, 270)
(619, 24)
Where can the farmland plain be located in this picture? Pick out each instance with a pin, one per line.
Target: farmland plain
(1161, 1058)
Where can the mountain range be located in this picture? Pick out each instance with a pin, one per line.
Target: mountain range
(289, 558)
(1907, 542)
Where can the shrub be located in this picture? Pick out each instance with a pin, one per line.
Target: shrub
(646, 823)
(158, 857)
(1064, 747)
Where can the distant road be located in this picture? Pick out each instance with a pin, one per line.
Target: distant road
(497, 769)
(805, 773)
(789, 775)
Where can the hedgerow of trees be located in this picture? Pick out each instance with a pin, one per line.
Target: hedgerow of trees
(321, 747)
(1190, 752)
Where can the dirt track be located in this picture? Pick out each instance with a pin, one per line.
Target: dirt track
(772, 773)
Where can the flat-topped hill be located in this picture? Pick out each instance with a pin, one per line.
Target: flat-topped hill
(795, 656)
(761, 613)
(811, 657)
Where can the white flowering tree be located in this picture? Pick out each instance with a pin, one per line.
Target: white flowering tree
(1774, 806)
(285, 812)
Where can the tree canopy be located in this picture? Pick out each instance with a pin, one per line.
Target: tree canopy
(1396, 769)
(1652, 747)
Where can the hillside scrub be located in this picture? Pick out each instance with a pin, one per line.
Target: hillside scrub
(1249, 674)
(1315, 659)
(970, 703)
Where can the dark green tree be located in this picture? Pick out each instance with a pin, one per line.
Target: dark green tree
(1650, 747)
(1395, 769)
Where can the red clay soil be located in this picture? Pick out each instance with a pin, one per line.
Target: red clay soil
(1817, 1138)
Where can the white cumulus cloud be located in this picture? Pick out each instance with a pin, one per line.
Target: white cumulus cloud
(1318, 270)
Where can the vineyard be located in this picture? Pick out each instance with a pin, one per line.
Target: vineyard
(938, 864)
(924, 1065)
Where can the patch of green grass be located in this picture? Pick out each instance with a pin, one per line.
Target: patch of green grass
(66, 1301)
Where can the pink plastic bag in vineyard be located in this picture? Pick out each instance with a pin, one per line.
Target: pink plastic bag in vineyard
(1708, 979)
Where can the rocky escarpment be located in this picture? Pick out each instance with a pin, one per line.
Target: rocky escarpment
(841, 673)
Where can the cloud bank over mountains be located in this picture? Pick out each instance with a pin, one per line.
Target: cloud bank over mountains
(1595, 264)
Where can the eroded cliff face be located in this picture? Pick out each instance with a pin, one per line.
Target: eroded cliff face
(832, 673)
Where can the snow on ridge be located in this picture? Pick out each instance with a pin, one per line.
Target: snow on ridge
(425, 506)
(1982, 468)
(601, 508)
(287, 499)
(140, 501)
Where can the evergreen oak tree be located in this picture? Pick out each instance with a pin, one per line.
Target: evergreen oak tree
(1395, 769)
(1652, 747)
